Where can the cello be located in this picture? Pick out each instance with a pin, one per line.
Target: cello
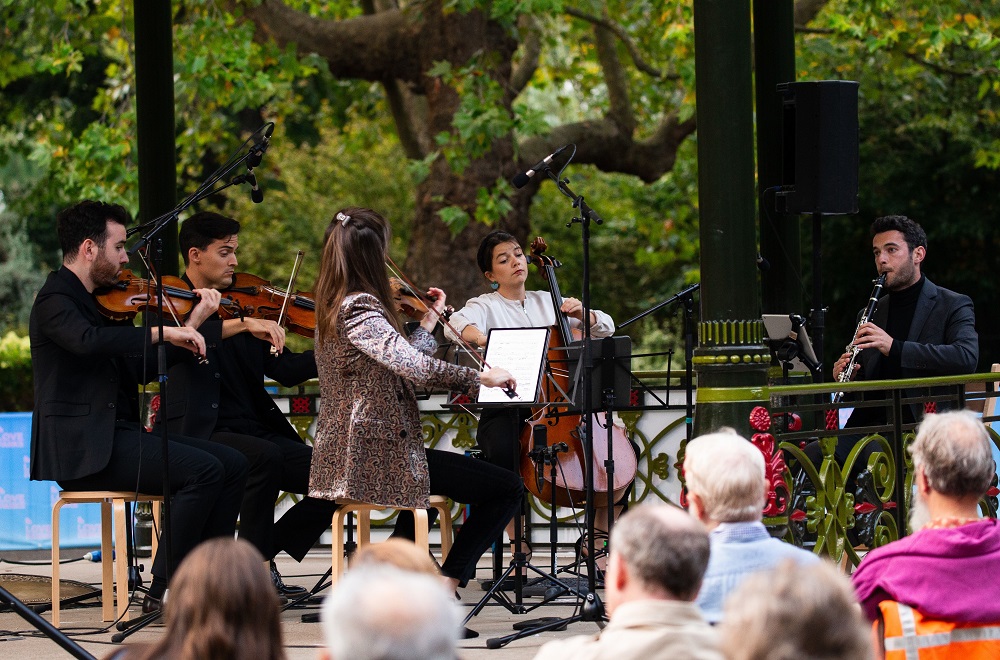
(562, 425)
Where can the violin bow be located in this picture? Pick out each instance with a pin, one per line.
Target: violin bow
(167, 302)
(288, 292)
(398, 272)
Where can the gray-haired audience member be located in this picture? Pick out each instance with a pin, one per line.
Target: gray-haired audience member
(947, 568)
(380, 612)
(658, 557)
(795, 611)
(726, 491)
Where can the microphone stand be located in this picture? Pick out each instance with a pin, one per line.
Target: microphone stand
(151, 231)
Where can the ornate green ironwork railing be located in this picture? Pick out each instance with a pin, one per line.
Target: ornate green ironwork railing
(837, 509)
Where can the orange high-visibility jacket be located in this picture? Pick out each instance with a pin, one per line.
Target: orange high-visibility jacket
(909, 635)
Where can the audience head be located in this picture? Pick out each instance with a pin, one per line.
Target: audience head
(793, 612)
(725, 478)
(657, 552)
(221, 605)
(383, 613)
(400, 553)
(951, 457)
(356, 245)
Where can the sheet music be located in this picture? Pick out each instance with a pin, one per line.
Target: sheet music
(521, 351)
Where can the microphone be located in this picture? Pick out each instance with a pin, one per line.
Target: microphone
(256, 192)
(259, 147)
(521, 180)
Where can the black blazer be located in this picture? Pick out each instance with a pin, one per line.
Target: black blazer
(84, 367)
(942, 340)
(195, 389)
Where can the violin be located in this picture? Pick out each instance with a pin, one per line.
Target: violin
(256, 297)
(411, 302)
(561, 426)
(131, 295)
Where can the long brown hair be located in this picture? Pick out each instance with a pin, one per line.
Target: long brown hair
(221, 605)
(354, 253)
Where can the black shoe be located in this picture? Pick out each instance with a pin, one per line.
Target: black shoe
(150, 604)
(282, 588)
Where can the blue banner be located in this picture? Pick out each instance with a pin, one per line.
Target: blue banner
(26, 506)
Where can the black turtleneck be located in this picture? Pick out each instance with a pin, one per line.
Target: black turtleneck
(902, 305)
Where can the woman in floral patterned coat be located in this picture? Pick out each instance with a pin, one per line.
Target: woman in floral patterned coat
(369, 446)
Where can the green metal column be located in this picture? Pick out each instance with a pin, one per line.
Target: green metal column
(731, 358)
(154, 101)
(774, 62)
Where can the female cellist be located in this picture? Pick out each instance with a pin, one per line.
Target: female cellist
(369, 446)
(510, 305)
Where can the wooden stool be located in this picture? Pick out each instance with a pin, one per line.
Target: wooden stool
(364, 512)
(112, 514)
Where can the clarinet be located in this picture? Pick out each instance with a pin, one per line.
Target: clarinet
(866, 316)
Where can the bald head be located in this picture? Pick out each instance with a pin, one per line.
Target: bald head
(664, 548)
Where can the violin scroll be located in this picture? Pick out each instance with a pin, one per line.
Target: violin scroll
(413, 303)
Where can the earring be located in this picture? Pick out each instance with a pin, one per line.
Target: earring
(494, 285)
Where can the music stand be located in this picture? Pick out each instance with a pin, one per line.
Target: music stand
(789, 340)
(522, 351)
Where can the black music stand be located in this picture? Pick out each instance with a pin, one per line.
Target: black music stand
(523, 352)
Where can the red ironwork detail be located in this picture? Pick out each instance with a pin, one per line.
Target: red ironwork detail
(863, 508)
(300, 405)
(798, 515)
(832, 420)
(930, 407)
(633, 397)
(993, 491)
(760, 419)
(774, 473)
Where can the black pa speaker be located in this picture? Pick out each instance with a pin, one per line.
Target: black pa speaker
(819, 147)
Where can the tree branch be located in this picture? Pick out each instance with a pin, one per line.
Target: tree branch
(620, 110)
(521, 75)
(806, 10)
(601, 143)
(369, 47)
(626, 39)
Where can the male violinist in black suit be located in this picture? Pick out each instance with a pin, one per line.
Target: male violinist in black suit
(225, 401)
(85, 432)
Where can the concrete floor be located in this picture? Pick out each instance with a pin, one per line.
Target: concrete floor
(19, 639)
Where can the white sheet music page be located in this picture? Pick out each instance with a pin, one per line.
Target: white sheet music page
(521, 351)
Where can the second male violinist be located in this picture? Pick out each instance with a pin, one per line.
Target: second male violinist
(225, 401)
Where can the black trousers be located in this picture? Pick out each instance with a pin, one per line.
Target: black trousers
(494, 493)
(277, 463)
(206, 485)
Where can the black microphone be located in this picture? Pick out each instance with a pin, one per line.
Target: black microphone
(259, 147)
(521, 180)
(256, 192)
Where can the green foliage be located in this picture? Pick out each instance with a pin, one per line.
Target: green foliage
(930, 146)
(16, 384)
(19, 279)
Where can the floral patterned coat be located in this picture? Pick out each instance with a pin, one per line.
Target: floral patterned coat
(369, 446)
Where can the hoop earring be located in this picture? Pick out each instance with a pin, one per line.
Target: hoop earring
(494, 285)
